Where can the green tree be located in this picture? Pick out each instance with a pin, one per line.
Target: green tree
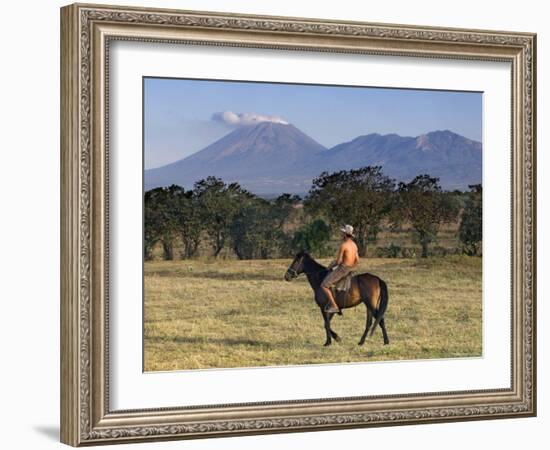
(186, 214)
(471, 225)
(360, 197)
(312, 237)
(218, 204)
(423, 204)
(160, 223)
(152, 220)
(256, 230)
(285, 208)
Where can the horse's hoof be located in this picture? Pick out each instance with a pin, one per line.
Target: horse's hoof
(361, 343)
(327, 344)
(337, 338)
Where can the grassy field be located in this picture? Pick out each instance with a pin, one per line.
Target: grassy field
(228, 313)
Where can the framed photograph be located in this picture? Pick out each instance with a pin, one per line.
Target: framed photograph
(275, 224)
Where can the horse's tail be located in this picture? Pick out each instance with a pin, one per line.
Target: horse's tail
(384, 298)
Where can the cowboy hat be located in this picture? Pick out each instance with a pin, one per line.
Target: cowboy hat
(347, 229)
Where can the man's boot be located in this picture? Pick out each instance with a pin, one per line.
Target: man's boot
(331, 306)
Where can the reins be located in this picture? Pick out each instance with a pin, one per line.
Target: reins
(295, 273)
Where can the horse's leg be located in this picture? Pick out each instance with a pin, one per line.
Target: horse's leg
(367, 326)
(332, 332)
(327, 317)
(383, 326)
(327, 327)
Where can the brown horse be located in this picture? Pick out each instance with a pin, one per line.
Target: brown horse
(365, 288)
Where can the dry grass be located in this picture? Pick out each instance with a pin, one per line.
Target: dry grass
(214, 314)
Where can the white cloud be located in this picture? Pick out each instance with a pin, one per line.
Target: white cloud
(247, 118)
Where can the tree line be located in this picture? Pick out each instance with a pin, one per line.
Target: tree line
(215, 215)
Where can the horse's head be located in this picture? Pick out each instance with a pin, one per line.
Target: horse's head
(296, 267)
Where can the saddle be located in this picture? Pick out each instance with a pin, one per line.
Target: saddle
(345, 283)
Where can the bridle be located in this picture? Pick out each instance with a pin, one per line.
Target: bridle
(294, 273)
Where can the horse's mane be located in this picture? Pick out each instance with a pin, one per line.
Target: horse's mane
(308, 257)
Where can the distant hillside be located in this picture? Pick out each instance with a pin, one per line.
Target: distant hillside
(272, 158)
(455, 159)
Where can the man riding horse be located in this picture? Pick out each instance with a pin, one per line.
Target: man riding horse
(347, 259)
(367, 288)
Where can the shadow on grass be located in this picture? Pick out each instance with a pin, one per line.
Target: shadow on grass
(205, 340)
(223, 276)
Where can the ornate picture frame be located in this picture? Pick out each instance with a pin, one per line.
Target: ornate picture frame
(87, 32)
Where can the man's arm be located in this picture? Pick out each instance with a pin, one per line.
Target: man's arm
(356, 249)
(340, 257)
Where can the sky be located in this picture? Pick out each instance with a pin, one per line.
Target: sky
(182, 116)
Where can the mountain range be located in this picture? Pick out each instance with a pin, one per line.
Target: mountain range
(271, 158)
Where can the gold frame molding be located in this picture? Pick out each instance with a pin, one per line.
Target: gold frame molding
(86, 31)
